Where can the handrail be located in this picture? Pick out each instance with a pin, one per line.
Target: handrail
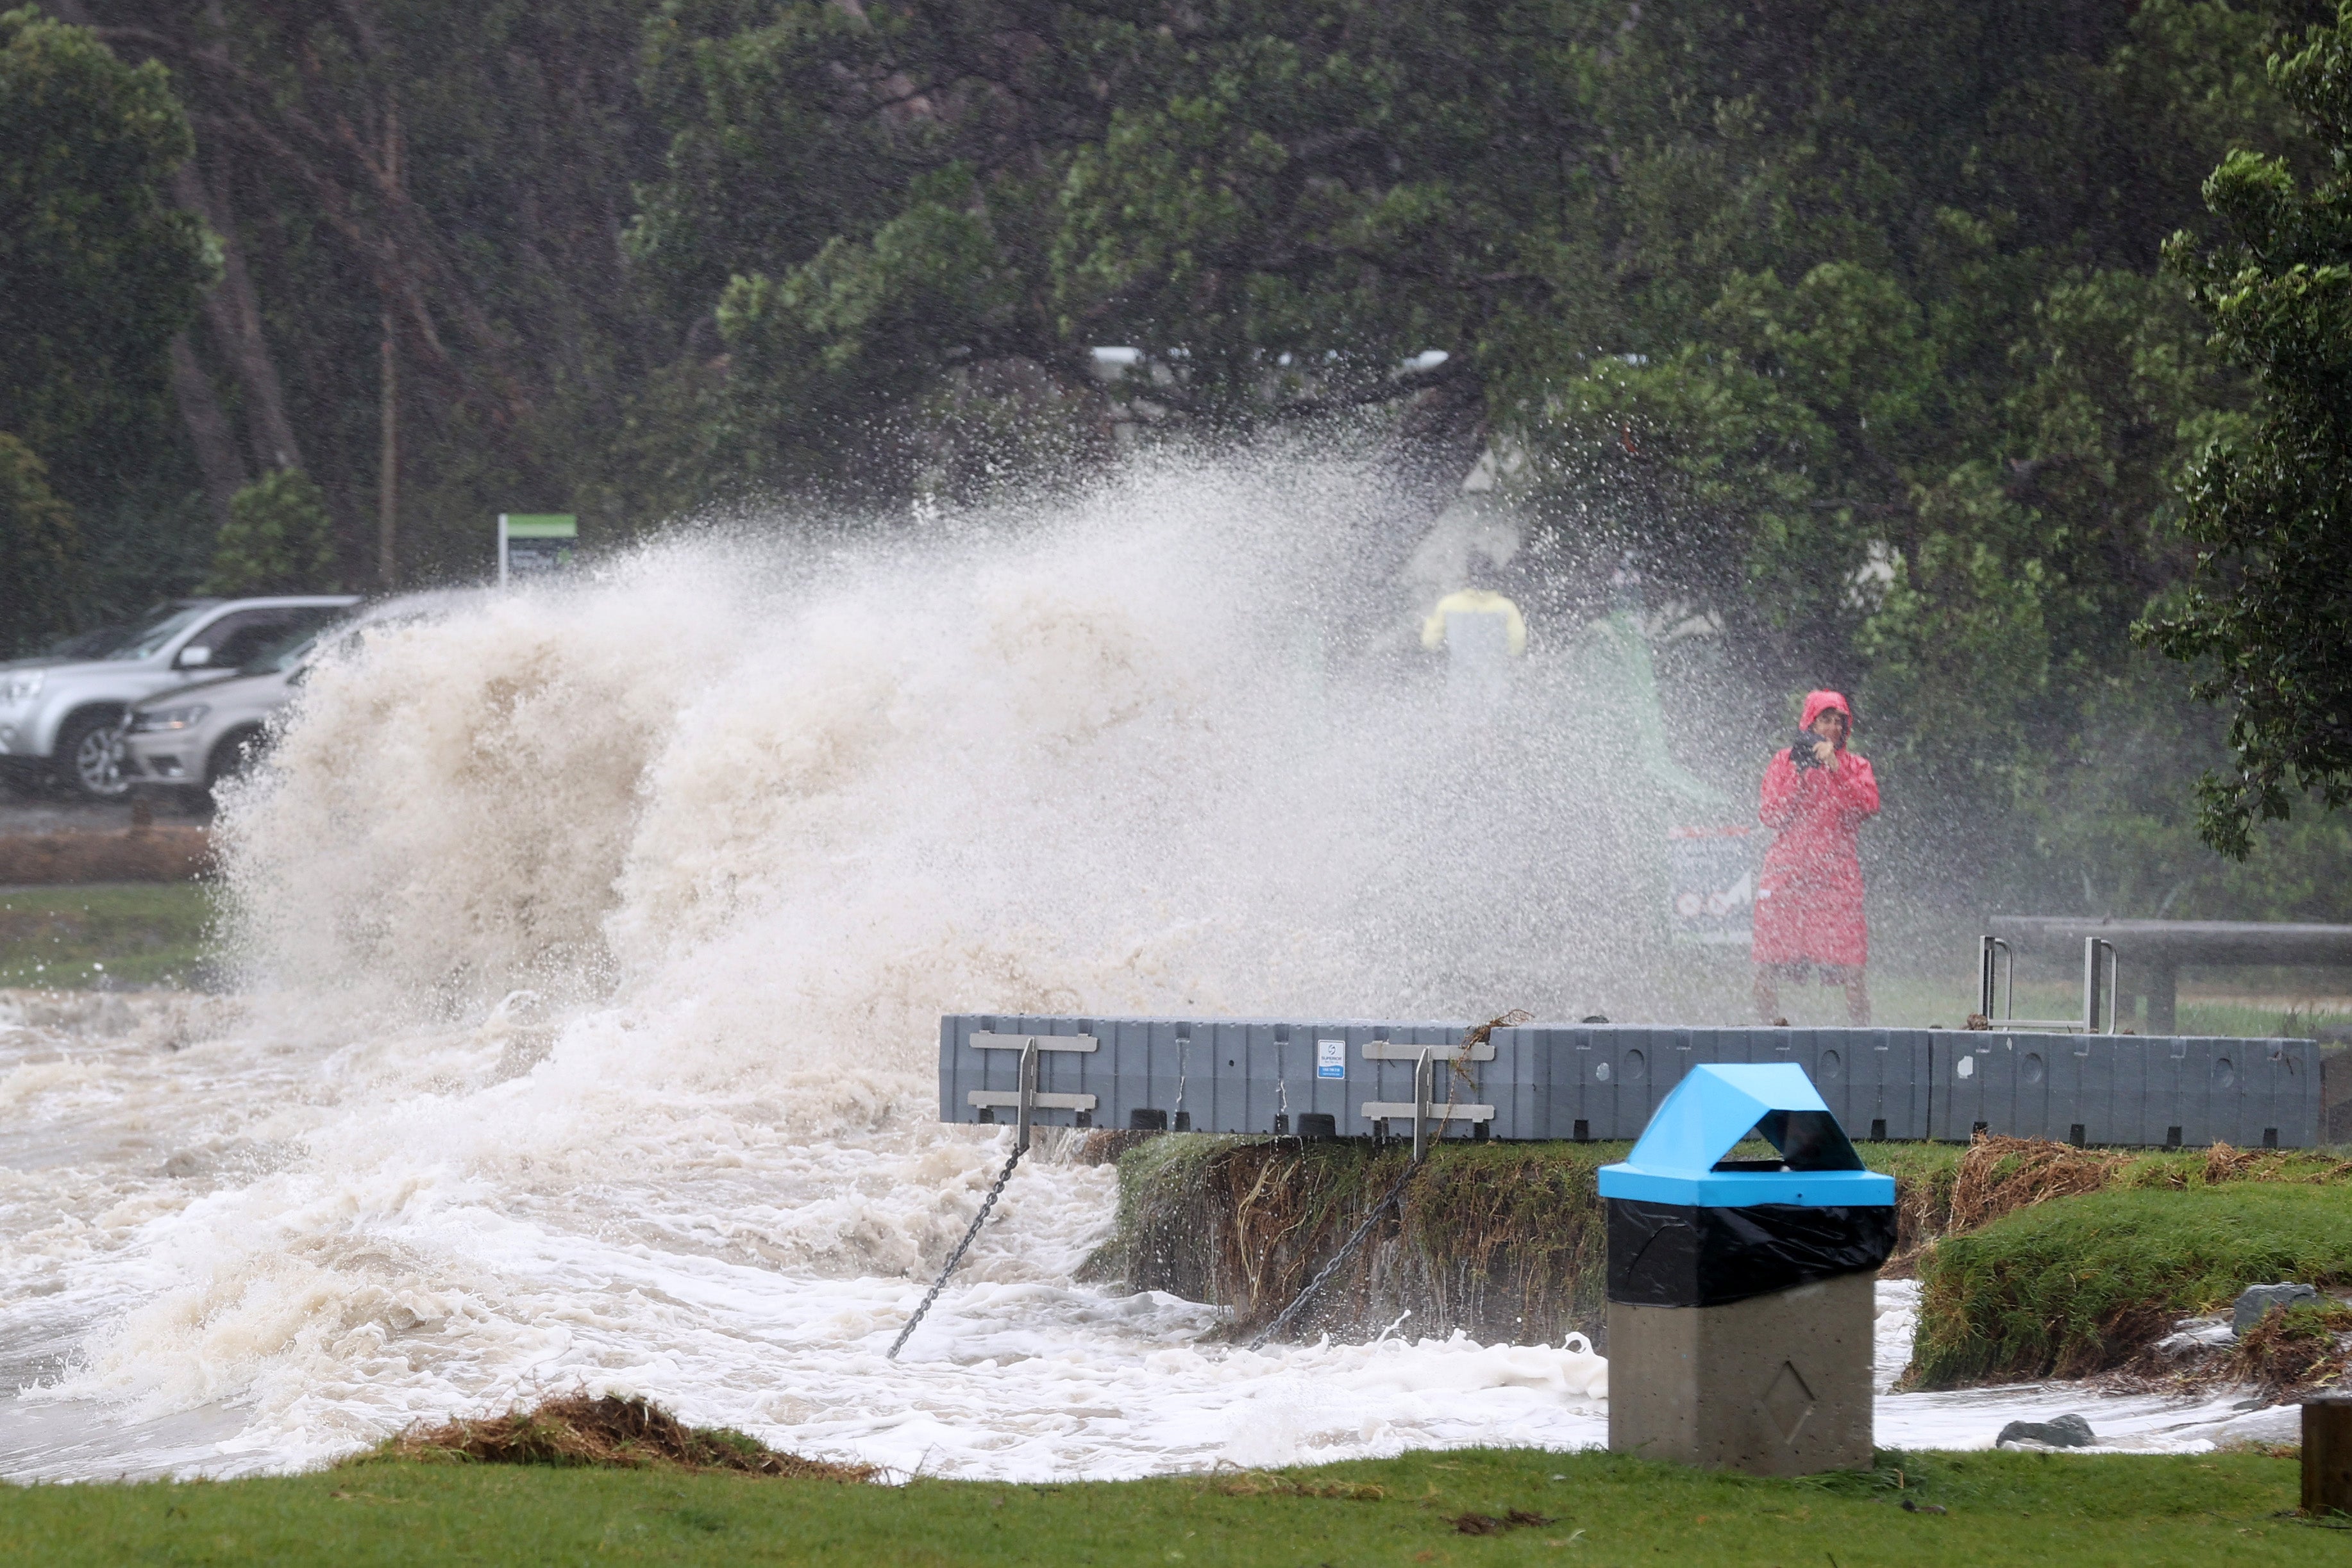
(2090, 945)
(1997, 974)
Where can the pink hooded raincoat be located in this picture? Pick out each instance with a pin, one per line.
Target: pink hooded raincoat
(1809, 900)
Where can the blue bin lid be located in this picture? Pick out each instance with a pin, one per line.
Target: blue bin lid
(1705, 1115)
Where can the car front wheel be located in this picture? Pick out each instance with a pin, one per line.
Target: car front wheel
(233, 758)
(86, 757)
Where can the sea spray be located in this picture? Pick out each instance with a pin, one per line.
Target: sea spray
(594, 937)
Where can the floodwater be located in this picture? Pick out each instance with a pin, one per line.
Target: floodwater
(593, 941)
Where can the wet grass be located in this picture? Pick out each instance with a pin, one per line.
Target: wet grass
(2210, 1014)
(1715, 990)
(1465, 1508)
(119, 935)
(2080, 1284)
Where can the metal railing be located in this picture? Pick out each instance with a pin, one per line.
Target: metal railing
(1996, 978)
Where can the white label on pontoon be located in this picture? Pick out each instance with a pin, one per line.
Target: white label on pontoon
(1330, 1059)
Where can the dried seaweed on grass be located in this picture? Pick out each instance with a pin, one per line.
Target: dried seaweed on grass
(607, 1431)
(1488, 1524)
(2288, 1354)
(1271, 1483)
(2000, 1176)
(2291, 1351)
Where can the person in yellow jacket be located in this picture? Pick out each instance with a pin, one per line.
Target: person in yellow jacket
(1475, 601)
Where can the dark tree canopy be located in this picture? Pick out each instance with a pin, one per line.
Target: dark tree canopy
(38, 549)
(97, 271)
(2267, 615)
(1839, 324)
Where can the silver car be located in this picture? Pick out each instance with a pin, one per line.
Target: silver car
(59, 712)
(196, 736)
(193, 738)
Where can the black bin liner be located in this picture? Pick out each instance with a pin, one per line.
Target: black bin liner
(1680, 1255)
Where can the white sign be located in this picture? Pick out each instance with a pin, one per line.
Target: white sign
(530, 543)
(1330, 1059)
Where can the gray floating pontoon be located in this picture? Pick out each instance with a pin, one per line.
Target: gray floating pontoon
(1357, 1078)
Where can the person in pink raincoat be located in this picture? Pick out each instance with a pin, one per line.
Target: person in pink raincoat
(1808, 899)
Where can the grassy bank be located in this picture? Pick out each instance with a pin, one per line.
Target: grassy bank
(1505, 1241)
(119, 934)
(1592, 1508)
(2038, 1258)
(2079, 1285)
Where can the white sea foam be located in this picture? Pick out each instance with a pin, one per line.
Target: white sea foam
(595, 938)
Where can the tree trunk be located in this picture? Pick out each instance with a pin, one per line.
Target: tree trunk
(387, 515)
(234, 312)
(208, 429)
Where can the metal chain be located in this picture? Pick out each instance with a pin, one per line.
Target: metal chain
(1346, 1250)
(1457, 1080)
(956, 1256)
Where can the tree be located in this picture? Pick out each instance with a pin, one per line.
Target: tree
(278, 540)
(456, 180)
(38, 551)
(1275, 205)
(2266, 615)
(98, 273)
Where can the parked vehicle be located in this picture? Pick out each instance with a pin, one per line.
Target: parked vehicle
(196, 736)
(59, 712)
(209, 731)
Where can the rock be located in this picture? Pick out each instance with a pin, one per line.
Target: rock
(2255, 1301)
(2065, 1432)
(2191, 1336)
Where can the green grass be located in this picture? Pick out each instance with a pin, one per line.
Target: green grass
(1602, 1510)
(2077, 1284)
(2253, 1019)
(119, 934)
(2208, 1016)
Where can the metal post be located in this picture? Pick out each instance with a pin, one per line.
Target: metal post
(1993, 961)
(1421, 1105)
(2090, 945)
(1028, 1096)
(2326, 1455)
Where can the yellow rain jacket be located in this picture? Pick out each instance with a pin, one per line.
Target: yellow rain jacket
(1476, 601)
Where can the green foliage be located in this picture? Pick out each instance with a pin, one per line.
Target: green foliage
(1840, 319)
(2079, 1284)
(1260, 209)
(97, 270)
(39, 551)
(277, 539)
(2265, 614)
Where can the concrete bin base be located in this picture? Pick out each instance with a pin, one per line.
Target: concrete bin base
(1775, 1385)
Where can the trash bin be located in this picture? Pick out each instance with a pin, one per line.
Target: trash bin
(1740, 1310)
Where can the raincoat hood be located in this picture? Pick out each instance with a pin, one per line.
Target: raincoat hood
(1820, 703)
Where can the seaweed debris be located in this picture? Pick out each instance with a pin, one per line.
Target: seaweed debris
(604, 1430)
